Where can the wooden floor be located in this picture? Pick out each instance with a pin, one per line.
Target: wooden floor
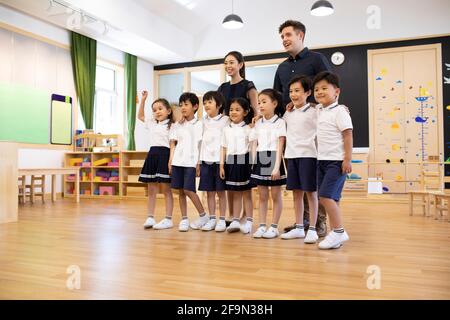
(118, 259)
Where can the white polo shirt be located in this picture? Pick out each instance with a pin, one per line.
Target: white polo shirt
(331, 122)
(188, 136)
(159, 132)
(212, 135)
(235, 138)
(301, 132)
(268, 132)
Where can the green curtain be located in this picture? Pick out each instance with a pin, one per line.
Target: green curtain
(84, 60)
(131, 91)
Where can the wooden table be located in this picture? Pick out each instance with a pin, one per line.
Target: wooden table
(53, 172)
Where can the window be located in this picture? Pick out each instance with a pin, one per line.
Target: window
(109, 107)
(261, 75)
(204, 81)
(171, 86)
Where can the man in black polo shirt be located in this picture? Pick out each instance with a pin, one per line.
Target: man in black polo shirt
(301, 61)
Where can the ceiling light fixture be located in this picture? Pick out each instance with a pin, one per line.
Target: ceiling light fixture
(232, 21)
(77, 17)
(322, 8)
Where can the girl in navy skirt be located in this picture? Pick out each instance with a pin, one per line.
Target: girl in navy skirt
(268, 172)
(210, 180)
(155, 171)
(235, 166)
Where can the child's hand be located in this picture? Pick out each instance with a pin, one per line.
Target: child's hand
(255, 118)
(222, 172)
(276, 174)
(290, 107)
(197, 170)
(144, 95)
(346, 167)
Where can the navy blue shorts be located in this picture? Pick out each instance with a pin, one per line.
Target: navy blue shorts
(237, 173)
(183, 178)
(210, 177)
(262, 170)
(156, 169)
(302, 174)
(331, 179)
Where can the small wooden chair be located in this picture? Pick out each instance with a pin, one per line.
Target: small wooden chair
(441, 204)
(22, 191)
(32, 193)
(430, 182)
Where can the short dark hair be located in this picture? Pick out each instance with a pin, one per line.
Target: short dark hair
(189, 96)
(297, 25)
(246, 106)
(274, 95)
(217, 97)
(303, 80)
(329, 77)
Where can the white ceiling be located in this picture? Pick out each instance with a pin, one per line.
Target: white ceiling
(167, 31)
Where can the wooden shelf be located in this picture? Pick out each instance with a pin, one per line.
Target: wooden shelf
(123, 170)
(106, 167)
(107, 181)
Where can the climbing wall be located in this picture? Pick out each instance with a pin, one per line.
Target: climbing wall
(405, 117)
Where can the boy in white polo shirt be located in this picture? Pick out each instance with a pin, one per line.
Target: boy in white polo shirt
(301, 154)
(335, 143)
(185, 139)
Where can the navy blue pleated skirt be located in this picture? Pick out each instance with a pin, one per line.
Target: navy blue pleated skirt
(156, 167)
(262, 170)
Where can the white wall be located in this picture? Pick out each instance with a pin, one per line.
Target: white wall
(144, 82)
(41, 158)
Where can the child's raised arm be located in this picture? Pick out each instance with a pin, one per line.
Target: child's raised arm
(348, 149)
(141, 113)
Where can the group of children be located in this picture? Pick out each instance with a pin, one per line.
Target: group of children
(236, 152)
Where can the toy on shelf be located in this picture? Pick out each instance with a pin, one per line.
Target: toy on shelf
(75, 162)
(106, 175)
(85, 176)
(106, 191)
(101, 162)
(88, 141)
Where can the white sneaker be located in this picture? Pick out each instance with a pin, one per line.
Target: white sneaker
(163, 224)
(200, 222)
(293, 234)
(246, 227)
(150, 222)
(210, 225)
(259, 232)
(271, 233)
(311, 237)
(184, 225)
(333, 240)
(235, 226)
(221, 226)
